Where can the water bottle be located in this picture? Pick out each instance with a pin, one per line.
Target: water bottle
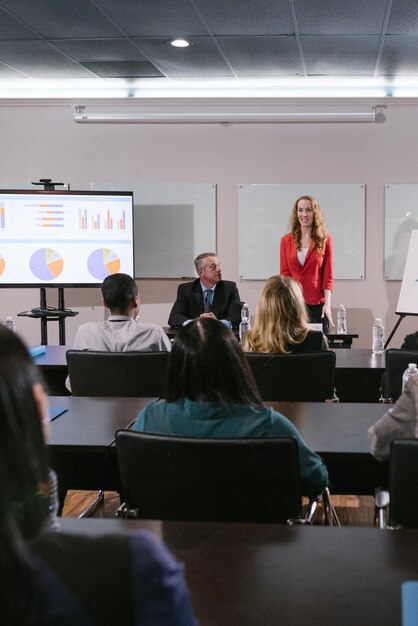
(378, 337)
(341, 320)
(410, 372)
(245, 324)
(9, 323)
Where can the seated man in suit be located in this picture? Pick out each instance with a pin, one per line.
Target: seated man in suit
(410, 342)
(121, 331)
(207, 296)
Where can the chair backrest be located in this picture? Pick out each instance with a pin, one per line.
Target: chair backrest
(186, 478)
(307, 377)
(396, 363)
(94, 373)
(403, 483)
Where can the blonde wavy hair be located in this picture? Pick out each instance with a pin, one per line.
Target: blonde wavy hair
(319, 231)
(281, 318)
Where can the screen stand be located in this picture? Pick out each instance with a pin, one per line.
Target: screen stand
(51, 314)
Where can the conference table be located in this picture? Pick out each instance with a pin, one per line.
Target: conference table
(338, 433)
(83, 452)
(357, 376)
(81, 441)
(266, 574)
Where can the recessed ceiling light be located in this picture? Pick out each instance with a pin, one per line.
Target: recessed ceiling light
(180, 43)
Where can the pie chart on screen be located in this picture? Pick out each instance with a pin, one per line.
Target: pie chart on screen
(46, 264)
(103, 262)
(2, 264)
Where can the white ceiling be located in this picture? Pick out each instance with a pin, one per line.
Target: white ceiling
(249, 47)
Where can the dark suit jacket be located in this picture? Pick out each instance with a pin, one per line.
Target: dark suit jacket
(226, 303)
(410, 342)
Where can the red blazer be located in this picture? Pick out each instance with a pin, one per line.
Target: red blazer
(315, 275)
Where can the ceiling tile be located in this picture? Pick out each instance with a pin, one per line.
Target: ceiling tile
(399, 55)
(246, 17)
(154, 18)
(403, 18)
(262, 56)
(37, 59)
(123, 69)
(11, 29)
(61, 18)
(340, 17)
(201, 59)
(343, 56)
(100, 49)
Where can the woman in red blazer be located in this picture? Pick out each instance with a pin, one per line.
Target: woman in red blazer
(306, 255)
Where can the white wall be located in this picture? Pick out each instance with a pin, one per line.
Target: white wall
(41, 140)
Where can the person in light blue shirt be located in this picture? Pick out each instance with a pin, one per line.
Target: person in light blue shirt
(211, 393)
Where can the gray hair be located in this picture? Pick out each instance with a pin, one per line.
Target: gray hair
(199, 261)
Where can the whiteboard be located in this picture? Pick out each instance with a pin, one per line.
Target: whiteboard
(173, 223)
(401, 218)
(408, 295)
(263, 218)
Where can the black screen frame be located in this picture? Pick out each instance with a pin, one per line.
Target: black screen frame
(64, 192)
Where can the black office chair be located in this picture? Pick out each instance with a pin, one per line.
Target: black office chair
(307, 377)
(131, 374)
(401, 501)
(187, 478)
(396, 363)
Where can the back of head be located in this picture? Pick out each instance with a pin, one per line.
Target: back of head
(118, 291)
(208, 365)
(280, 318)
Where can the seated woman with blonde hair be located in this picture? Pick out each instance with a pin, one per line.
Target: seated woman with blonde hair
(281, 321)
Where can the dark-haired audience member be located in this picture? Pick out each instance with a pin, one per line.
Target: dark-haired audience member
(63, 579)
(122, 330)
(281, 321)
(211, 393)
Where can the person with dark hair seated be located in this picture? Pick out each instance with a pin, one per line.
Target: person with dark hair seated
(53, 578)
(122, 330)
(410, 342)
(211, 393)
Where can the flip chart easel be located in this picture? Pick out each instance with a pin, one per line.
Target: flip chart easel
(408, 295)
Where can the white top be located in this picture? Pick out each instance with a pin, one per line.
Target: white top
(301, 254)
(120, 333)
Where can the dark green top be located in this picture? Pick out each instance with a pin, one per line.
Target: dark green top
(211, 419)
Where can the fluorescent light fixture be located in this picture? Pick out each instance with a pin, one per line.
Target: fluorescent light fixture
(223, 118)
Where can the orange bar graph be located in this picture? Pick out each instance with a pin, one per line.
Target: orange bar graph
(108, 219)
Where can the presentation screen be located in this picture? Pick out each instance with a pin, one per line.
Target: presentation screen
(64, 239)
